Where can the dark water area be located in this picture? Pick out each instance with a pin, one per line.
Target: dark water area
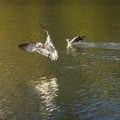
(83, 84)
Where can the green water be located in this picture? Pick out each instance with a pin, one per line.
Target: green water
(83, 84)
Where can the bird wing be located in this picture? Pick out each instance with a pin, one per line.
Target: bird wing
(48, 39)
(48, 52)
(53, 54)
(43, 51)
(40, 48)
(34, 47)
(30, 47)
(77, 39)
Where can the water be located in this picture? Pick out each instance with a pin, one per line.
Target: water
(83, 84)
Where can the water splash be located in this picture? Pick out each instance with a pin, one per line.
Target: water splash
(100, 45)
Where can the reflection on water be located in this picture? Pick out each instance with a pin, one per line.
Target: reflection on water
(47, 89)
(73, 50)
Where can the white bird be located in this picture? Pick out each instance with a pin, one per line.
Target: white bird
(47, 49)
(74, 41)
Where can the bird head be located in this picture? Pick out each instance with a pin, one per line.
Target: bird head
(67, 40)
(68, 43)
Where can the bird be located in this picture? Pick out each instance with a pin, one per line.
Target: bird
(74, 41)
(47, 49)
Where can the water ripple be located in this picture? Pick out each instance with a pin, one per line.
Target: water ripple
(105, 57)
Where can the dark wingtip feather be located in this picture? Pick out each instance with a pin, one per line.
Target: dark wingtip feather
(42, 26)
(23, 46)
(77, 39)
(81, 37)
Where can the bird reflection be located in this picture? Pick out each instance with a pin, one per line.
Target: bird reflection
(74, 50)
(47, 89)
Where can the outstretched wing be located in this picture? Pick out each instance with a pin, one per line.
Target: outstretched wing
(34, 47)
(77, 39)
(43, 52)
(40, 48)
(48, 39)
(30, 47)
(53, 54)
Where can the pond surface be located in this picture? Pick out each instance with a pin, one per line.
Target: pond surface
(83, 84)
